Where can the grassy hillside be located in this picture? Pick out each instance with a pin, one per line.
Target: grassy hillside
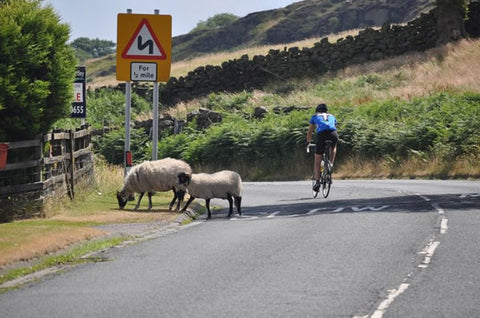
(415, 115)
(101, 71)
(298, 21)
(300, 24)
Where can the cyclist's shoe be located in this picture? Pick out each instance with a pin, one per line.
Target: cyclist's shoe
(316, 186)
(330, 166)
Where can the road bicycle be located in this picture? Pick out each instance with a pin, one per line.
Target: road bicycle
(326, 172)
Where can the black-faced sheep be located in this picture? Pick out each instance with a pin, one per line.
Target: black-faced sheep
(222, 185)
(149, 176)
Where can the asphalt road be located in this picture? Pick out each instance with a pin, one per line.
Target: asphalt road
(372, 249)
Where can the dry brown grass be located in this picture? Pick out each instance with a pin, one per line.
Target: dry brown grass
(37, 243)
(454, 66)
(109, 216)
(414, 167)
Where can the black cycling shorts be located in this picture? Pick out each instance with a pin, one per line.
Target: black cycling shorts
(325, 135)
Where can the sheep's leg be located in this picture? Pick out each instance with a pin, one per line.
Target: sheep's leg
(238, 203)
(138, 202)
(173, 200)
(188, 203)
(150, 194)
(180, 196)
(207, 203)
(230, 202)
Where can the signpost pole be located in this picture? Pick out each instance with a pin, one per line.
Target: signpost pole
(128, 105)
(155, 117)
(155, 122)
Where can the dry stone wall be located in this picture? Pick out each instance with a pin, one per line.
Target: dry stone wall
(245, 73)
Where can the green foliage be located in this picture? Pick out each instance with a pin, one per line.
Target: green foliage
(106, 107)
(111, 146)
(445, 126)
(86, 48)
(227, 102)
(395, 129)
(266, 143)
(215, 22)
(37, 68)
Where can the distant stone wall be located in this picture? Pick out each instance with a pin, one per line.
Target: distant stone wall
(245, 73)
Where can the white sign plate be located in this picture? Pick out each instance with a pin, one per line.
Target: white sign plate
(143, 72)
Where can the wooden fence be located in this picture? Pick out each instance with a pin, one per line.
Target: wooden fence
(50, 165)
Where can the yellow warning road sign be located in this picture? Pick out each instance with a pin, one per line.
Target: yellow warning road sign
(144, 46)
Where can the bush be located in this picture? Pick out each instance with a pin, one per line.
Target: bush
(37, 69)
(444, 126)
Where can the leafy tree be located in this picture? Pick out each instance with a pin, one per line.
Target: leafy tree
(450, 21)
(37, 68)
(215, 22)
(92, 48)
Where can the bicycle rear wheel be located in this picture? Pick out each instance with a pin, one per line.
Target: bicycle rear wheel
(326, 181)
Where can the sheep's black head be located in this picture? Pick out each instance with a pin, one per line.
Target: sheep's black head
(184, 178)
(122, 199)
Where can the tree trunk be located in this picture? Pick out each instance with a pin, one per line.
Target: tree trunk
(450, 20)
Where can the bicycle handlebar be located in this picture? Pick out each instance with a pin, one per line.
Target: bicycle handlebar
(310, 145)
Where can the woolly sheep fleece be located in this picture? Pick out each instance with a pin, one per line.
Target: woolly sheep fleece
(215, 185)
(158, 175)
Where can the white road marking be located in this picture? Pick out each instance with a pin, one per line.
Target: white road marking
(428, 252)
(466, 195)
(438, 208)
(315, 211)
(423, 197)
(371, 208)
(389, 300)
(444, 226)
(273, 214)
(244, 218)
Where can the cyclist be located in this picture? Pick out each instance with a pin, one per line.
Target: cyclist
(325, 125)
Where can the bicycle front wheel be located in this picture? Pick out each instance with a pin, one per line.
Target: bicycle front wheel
(314, 193)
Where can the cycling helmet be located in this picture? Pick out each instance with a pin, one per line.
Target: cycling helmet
(321, 108)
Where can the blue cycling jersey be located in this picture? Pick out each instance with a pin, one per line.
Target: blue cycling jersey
(324, 122)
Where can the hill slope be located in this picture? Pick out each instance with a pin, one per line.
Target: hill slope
(309, 19)
(298, 21)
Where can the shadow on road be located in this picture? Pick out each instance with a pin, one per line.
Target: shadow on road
(393, 204)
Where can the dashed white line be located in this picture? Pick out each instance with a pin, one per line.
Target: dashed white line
(423, 197)
(444, 226)
(438, 208)
(428, 252)
(389, 300)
